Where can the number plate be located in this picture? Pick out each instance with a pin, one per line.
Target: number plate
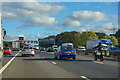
(68, 52)
(103, 53)
(27, 52)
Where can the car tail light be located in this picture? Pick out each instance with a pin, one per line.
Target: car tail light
(32, 50)
(61, 51)
(23, 50)
(74, 51)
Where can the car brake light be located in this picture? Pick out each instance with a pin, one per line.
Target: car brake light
(74, 51)
(61, 51)
(32, 50)
(23, 50)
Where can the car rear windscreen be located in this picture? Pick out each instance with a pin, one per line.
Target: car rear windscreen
(28, 48)
(66, 47)
(6, 48)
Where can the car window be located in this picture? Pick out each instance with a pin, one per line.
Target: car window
(66, 47)
(30, 47)
(25, 47)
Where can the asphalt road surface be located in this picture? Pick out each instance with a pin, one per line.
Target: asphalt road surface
(43, 65)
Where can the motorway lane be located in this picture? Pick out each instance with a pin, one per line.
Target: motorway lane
(28, 67)
(84, 66)
(7, 58)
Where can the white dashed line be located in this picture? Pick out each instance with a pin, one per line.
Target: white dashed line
(54, 63)
(98, 62)
(85, 78)
(4, 67)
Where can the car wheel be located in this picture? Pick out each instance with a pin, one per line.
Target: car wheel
(33, 55)
(59, 57)
(74, 58)
(22, 55)
(56, 57)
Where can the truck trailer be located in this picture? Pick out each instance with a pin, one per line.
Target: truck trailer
(15, 45)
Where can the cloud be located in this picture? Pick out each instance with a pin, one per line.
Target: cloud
(71, 24)
(54, 28)
(16, 37)
(31, 13)
(37, 22)
(106, 28)
(87, 16)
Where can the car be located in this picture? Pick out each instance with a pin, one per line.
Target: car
(114, 49)
(7, 50)
(81, 48)
(28, 50)
(42, 49)
(65, 52)
(55, 47)
(50, 49)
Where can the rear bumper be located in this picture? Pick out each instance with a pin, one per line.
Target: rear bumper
(68, 55)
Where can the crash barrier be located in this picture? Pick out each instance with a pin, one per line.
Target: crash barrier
(113, 54)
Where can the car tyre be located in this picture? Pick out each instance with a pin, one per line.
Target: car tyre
(56, 57)
(22, 55)
(74, 58)
(33, 55)
(59, 57)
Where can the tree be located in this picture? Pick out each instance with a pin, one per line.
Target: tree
(107, 37)
(87, 35)
(100, 35)
(113, 39)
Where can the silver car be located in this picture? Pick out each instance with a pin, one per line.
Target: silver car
(28, 50)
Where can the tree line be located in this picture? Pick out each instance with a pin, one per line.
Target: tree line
(79, 39)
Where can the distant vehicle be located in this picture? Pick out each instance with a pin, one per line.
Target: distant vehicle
(67, 44)
(90, 44)
(50, 49)
(81, 48)
(7, 50)
(28, 50)
(55, 47)
(15, 46)
(36, 47)
(114, 49)
(65, 52)
(42, 49)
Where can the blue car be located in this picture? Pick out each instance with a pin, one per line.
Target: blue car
(65, 52)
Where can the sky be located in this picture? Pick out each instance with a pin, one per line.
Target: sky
(35, 20)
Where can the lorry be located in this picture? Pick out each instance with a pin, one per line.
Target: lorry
(90, 44)
(15, 45)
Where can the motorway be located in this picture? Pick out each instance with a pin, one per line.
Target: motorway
(43, 65)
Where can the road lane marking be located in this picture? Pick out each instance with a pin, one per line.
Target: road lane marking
(54, 63)
(85, 78)
(7, 64)
(98, 62)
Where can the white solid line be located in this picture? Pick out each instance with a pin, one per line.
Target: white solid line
(54, 63)
(4, 67)
(85, 78)
(98, 62)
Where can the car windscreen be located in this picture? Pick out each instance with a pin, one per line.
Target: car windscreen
(66, 47)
